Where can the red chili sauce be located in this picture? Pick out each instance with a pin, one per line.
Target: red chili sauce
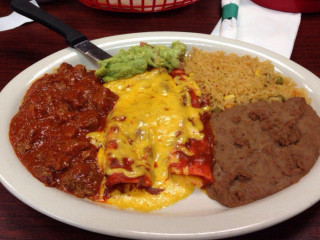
(48, 133)
(200, 163)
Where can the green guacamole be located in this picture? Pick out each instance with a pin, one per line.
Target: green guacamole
(139, 59)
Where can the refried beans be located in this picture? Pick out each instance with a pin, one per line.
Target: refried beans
(261, 148)
(48, 133)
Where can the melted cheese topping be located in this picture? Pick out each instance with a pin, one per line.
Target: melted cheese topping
(152, 118)
(175, 189)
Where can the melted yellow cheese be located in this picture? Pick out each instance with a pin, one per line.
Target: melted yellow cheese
(152, 118)
(175, 189)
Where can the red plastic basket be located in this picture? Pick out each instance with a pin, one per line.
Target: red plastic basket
(137, 5)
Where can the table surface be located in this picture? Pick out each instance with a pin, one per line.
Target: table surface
(24, 46)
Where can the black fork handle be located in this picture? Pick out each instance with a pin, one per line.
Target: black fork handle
(26, 8)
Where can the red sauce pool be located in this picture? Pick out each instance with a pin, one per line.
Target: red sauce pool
(48, 133)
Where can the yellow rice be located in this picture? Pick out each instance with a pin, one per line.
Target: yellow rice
(229, 80)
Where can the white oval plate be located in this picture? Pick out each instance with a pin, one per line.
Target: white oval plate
(196, 217)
